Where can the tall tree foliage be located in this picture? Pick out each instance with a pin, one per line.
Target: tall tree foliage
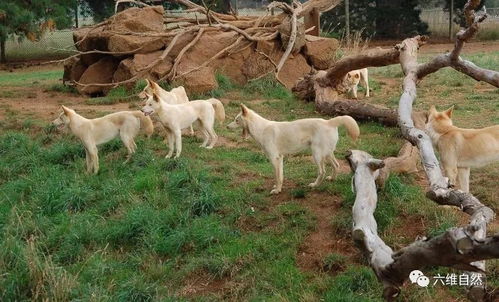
(384, 19)
(31, 18)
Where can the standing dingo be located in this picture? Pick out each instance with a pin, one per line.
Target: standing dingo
(174, 118)
(93, 132)
(460, 149)
(281, 138)
(352, 79)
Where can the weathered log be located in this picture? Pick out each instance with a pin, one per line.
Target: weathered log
(458, 247)
(309, 86)
(360, 111)
(462, 248)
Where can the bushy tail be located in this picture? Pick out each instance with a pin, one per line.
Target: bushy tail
(145, 123)
(219, 110)
(349, 123)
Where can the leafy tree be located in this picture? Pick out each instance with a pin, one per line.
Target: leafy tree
(31, 18)
(99, 9)
(384, 19)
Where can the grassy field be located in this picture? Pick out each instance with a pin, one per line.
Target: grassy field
(205, 227)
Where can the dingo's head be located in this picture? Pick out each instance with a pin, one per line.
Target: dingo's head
(241, 121)
(64, 118)
(152, 104)
(437, 119)
(148, 90)
(353, 77)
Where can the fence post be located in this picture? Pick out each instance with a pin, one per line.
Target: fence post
(76, 13)
(451, 14)
(347, 20)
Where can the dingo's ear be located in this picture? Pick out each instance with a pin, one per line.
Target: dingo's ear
(433, 110)
(449, 111)
(154, 85)
(244, 110)
(66, 110)
(148, 83)
(155, 96)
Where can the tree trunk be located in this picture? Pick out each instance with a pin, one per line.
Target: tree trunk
(76, 14)
(3, 58)
(226, 7)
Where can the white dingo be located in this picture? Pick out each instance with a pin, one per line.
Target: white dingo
(93, 132)
(281, 138)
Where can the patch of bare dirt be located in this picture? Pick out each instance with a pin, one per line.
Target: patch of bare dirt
(46, 105)
(201, 283)
(322, 241)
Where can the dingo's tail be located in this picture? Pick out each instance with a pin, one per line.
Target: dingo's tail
(349, 123)
(219, 110)
(145, 122)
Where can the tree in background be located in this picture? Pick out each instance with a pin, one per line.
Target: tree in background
(29, 19)
(458, 10)
(384, 19)
(98, 9)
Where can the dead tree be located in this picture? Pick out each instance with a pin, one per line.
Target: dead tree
(463, 248)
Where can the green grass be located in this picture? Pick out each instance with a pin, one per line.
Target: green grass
(150, 230)
(62, 88)
(29, 78)
(57, 44)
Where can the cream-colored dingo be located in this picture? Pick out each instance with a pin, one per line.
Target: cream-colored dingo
(352, 79)
(93, 132)
(179, 96)
(174, 118)
(281, 138)
(461, 149)
(175, 96)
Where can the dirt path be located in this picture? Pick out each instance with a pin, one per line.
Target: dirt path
(323, 240)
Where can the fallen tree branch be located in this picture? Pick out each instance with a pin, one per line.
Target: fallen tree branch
(173, 71)
(294, 10)
(216, 56)
(457, 247)
(462, 248)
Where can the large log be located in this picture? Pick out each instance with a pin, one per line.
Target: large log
(462, 248)
(458, 247)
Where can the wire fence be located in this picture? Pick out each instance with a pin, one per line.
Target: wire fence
(59, 44)
(438, 23)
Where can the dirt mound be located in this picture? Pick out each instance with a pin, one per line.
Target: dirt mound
(135, 44)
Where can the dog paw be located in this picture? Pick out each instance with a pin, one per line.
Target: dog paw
(275, 191)
(312, 185)
(168, 156)
(330, 177)
(209, 147)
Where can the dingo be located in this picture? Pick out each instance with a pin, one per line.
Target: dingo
(93, 132)
(179, 96)
(460, 149)
(281, 138)
(176, 117)
(175, 96)
(353, 78)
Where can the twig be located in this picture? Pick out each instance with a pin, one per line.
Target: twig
(173, 71)
(292, 37)
(218, 54)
